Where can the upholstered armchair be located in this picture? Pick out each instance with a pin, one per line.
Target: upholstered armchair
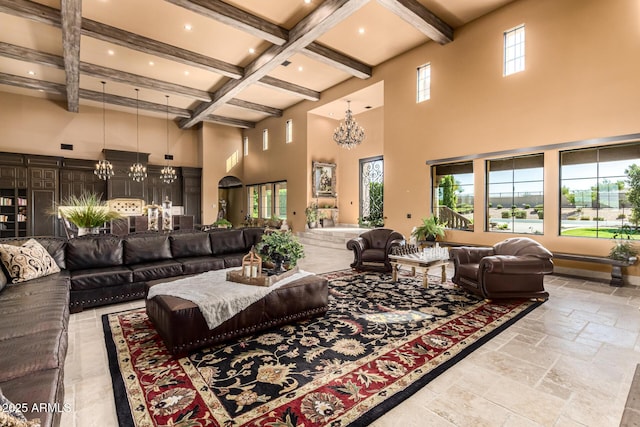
(513, 268)
(372, 248)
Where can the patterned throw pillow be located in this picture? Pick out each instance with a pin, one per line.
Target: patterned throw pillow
(28, 261)
(3, 280)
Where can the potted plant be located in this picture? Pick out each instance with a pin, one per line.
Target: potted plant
(430, 229)
(88, 212)
(311, 212)
(222, 223)
(623, 249)
(280, 247)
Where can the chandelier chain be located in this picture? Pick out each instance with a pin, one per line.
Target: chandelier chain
(137, 171)
(168, 173)
(104, 168)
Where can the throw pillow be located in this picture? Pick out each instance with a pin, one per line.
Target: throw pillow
(28, 261)
(3, 280)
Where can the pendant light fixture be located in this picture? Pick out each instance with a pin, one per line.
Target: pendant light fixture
(137, 171)
(104, 168)
(348, 134)
(168, 173)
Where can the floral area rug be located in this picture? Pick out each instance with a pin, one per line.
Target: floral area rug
(379, 343)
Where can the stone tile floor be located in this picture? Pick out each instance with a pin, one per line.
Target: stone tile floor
(568, 363)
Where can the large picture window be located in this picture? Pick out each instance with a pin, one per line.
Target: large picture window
(596, 190)
(452, 190)
(515, 190)
(267, 200)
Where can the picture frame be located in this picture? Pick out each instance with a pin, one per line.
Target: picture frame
(324, 179)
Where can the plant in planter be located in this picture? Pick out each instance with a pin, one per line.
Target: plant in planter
(222, 223)
(430, 229)
(87, 212)
(280, 247)
(623, 249)
(311, 212)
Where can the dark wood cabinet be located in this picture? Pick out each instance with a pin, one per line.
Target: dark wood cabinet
(43, 194)
(32, 186)
(192, 192)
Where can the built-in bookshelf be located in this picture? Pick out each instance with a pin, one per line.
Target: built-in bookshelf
(13, 212)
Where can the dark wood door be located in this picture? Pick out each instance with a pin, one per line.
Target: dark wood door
(192, 192)
(43, 197)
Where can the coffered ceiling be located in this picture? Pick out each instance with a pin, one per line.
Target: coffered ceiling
(234, 62)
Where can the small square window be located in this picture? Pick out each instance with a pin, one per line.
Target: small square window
(265, 139)
(245, 146)
(514, 50)
(288, 131)
(424, 83)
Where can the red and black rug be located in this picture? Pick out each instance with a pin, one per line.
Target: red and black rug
(379, 343)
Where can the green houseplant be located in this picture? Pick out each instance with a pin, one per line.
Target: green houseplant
(311, 213)
(280, 247)
(222, 223)
(430, 229)
(88, 212)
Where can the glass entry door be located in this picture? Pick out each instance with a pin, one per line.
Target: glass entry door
(371, 191)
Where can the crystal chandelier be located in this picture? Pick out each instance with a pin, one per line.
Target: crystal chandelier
(137, 171)
(168, 173)
(104, 168)
(349, 134)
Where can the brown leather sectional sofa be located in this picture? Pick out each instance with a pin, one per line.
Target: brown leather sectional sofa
(95, 270)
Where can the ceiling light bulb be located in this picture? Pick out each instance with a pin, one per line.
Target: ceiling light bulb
(151, 63)
(186, 73)
(361, 30)
(307, 1)
(31, 73)
(188, 27)
(111, 52)
(252, 50)
(300, 68)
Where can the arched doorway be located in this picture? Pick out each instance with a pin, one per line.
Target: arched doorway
(231, 200)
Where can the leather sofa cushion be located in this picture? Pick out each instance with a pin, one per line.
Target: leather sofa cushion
(146, 248)
(27, 354)
(56, 248)
(30, 321)
(88, 252)
(252, 236)
(195, 265)
(155, 270)
(95, 278)
(227, 241)
(374, 255)
(57, 284)
(36, 388)
(190, 245)
(522, 246)
(232, 260)
(470, 271)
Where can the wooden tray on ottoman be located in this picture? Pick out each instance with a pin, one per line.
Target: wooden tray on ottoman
(262, 280)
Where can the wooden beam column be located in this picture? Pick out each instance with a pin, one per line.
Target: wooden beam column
(71, 14)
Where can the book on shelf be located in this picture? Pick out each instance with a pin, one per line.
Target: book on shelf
(22, 201)
(4, 218)
(6, 201)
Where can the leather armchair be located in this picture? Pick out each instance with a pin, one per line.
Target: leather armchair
(372, 248)
(513, 268)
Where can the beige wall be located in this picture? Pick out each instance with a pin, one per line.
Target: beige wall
(219, 143)
(38, 126)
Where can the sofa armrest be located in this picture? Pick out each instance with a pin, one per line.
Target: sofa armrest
(469, 254)
(393, 243)
(509, 264)
(357, 245)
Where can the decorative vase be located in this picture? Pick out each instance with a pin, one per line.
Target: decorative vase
(167, 218)
(83, 231)
(152, 213)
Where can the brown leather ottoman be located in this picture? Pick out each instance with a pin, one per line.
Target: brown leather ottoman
(183, 328)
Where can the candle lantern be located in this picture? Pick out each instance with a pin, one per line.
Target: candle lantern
(167, 218)
(251, 264)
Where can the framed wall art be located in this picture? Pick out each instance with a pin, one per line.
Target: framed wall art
(324, 179)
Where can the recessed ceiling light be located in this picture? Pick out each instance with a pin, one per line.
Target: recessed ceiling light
(300, 68)
(252, 50)
(307, 1)
(361, 30)
(188, 27)
(31, 73)
(186, 73)
(111, 52)
(151, 63)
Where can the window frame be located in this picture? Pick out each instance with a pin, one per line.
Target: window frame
(435, 193)
(245, 146)
(288, 131)
(423, 93)
(265, 139)
(268, 202)
(513, 59)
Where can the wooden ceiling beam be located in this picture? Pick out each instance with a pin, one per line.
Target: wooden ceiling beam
(421, 18)
(59, 89)
(71, 14)
(32, 10)
(236, 18)
(30, 55)
(322, 19)
(259, 27)
(244, 124)
(335, 59)
(240, 103)
(290, 88)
